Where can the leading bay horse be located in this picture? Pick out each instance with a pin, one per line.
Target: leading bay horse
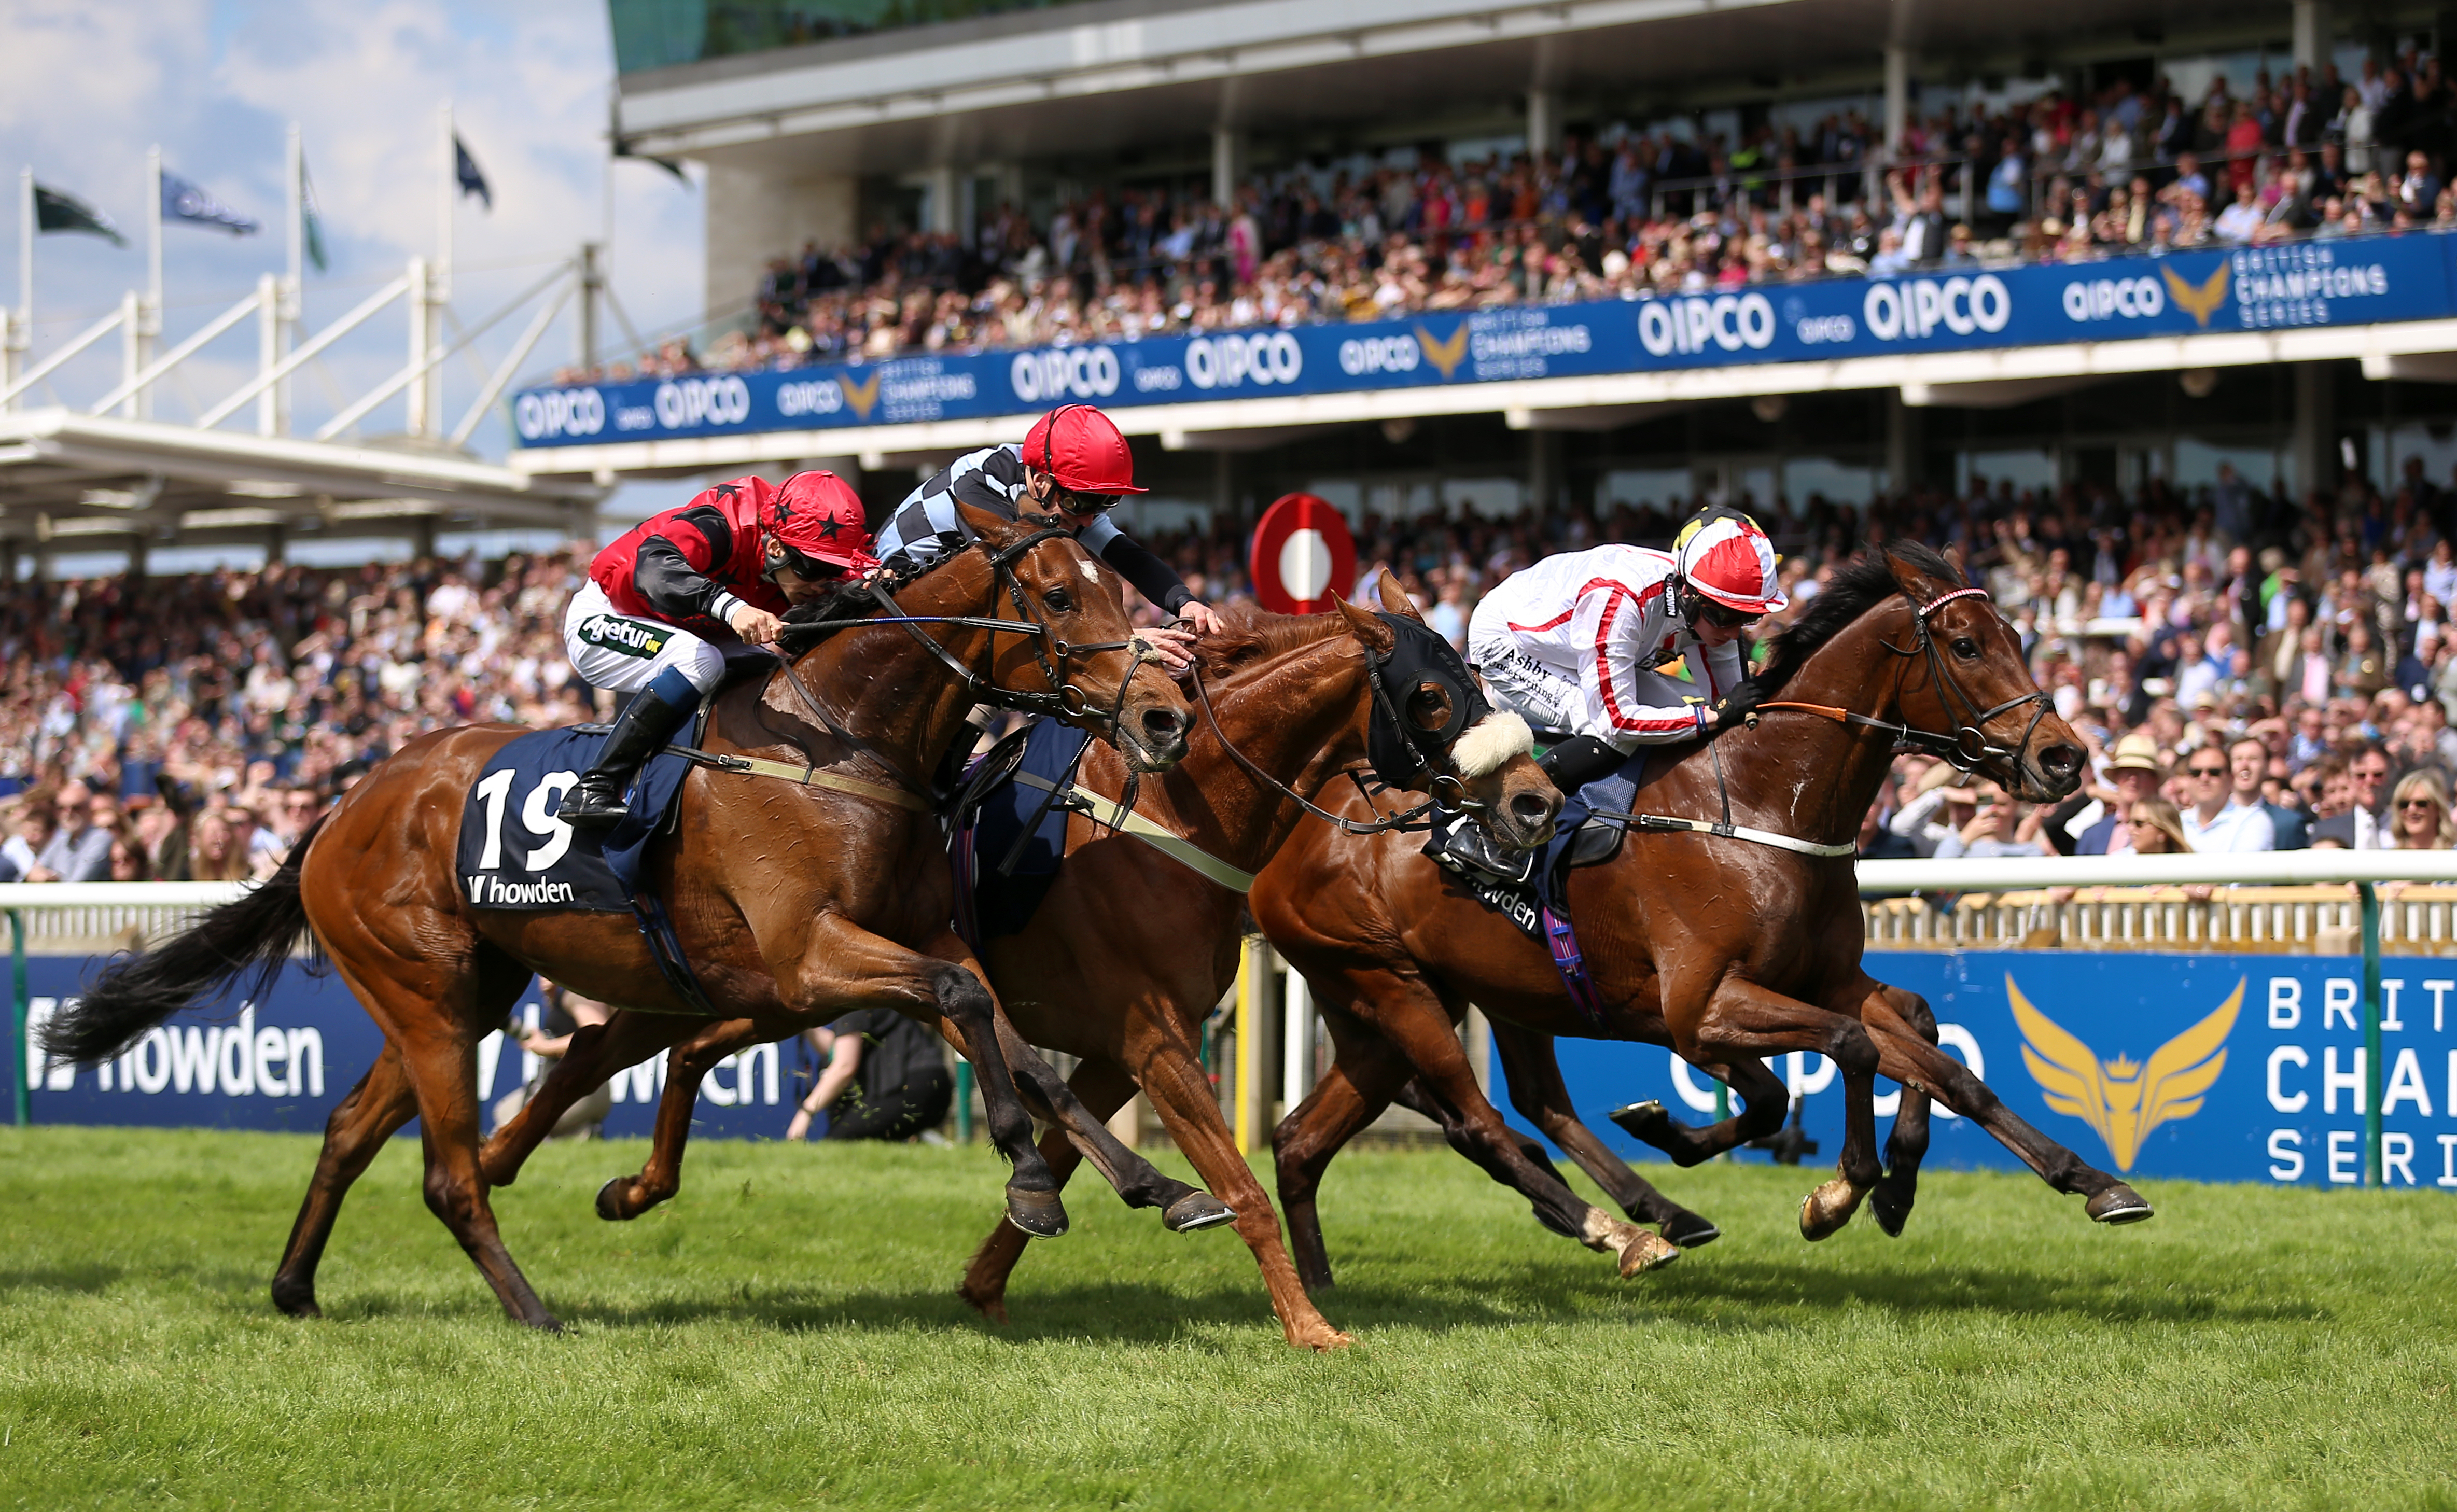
(1131, 948)
(1726, 950)
(799, 894)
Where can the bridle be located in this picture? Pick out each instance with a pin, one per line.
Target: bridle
(1967, 748)
(1054, 655)
(1450, 790)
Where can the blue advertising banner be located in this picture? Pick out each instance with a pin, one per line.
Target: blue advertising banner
(285, 1060)
(2212, 1068)
(2354, 282)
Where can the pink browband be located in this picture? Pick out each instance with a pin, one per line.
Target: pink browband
(1933, 604)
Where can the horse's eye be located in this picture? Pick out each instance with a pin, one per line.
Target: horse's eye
(1965, 648)
(1058, 601)
(1430, 706)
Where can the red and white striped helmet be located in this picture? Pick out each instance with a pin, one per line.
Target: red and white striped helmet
(1727, 557)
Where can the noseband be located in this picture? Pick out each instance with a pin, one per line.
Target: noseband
(1967, 748)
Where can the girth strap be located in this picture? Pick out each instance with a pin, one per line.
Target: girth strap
(806, 776)
(1175, 846)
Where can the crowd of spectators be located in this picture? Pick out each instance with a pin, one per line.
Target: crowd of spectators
(2280, 671)
(192, 728)
(1629, 213)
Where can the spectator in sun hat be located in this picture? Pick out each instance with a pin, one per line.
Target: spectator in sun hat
(2134, 774)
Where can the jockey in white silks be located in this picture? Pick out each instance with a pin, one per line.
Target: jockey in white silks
(1573, 644)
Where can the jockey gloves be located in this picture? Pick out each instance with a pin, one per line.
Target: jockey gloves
(1727, 558)
(817, 518)
(1083, 450)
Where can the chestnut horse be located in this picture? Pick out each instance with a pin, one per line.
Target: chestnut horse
(796, 898)
(1131, 949)
(1725, 949)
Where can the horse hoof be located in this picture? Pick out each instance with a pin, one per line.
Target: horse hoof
(1196, 1210)
(1647, 1252)
(991, 1305)
(609, 1206)
(1891, 1213)
(1824, 1212)
(2118, 1204)
(298, 1301)
(1644, 1121)
(1689, 1231)
(1040, 1214)
(1323, 1340)
(545, 1323)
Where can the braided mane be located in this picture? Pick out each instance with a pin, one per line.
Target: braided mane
(1856, 590)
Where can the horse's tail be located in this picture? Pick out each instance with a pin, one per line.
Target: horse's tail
(251, 933)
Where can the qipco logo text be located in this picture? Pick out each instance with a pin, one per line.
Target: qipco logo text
(1691, 326)
(559, 412)
(1231, 361)
(2113, 299)
(1064, 372)
(1914, 308)
(703, 401)
(1379, 354)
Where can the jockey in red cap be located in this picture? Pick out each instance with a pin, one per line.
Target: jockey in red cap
(1071, 468)
(735, 558)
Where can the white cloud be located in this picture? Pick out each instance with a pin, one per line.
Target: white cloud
(86, 88)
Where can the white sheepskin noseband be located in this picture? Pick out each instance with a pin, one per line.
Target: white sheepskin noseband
(1496, 737)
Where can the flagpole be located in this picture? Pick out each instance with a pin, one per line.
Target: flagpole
(19, 343)
(444, 207)
(294, 287)
(149, 317)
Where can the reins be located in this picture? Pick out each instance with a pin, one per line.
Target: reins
(1203, 698)
(1966, 749)
(1068, 701)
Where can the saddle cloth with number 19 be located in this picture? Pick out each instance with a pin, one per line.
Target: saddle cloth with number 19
(515, 854)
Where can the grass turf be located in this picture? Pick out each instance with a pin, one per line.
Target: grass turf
(785, 1332)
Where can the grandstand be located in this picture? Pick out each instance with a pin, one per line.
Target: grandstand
(1554, 257)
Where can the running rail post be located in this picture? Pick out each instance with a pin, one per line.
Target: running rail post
(2372, 1035)
(20, 1009)
(1250, 1062)
(963, 1101)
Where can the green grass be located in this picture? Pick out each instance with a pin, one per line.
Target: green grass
(785, 1332)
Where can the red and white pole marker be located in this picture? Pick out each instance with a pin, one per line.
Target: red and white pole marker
(1303, 558)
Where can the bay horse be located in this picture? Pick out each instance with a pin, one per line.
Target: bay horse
(798, 895)
(1131, 949)
(1727, 951)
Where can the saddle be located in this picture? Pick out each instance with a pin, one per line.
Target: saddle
(1532, 888)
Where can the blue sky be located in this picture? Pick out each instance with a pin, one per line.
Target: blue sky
(87, 87)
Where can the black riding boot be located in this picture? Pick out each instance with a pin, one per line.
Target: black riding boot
(644, 726)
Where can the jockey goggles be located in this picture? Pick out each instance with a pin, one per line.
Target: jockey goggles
(1723, 616)
(781, 556)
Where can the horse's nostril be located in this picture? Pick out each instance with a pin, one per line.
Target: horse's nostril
(1529, 809)
(2061, 760)
(1163, 724)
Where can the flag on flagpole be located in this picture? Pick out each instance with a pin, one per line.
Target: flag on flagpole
(312, 227)
(182, 201)
(56, 210)
(622, 149)
(465, 169)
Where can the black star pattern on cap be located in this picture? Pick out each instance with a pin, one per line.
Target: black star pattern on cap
(725, 490)
(828, 527)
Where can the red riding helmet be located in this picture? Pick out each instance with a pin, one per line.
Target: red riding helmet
(1724, 556)
(818, 516)
(1083, 449)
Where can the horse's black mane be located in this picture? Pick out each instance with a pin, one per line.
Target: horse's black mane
(1856, 590)
(846, 602)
